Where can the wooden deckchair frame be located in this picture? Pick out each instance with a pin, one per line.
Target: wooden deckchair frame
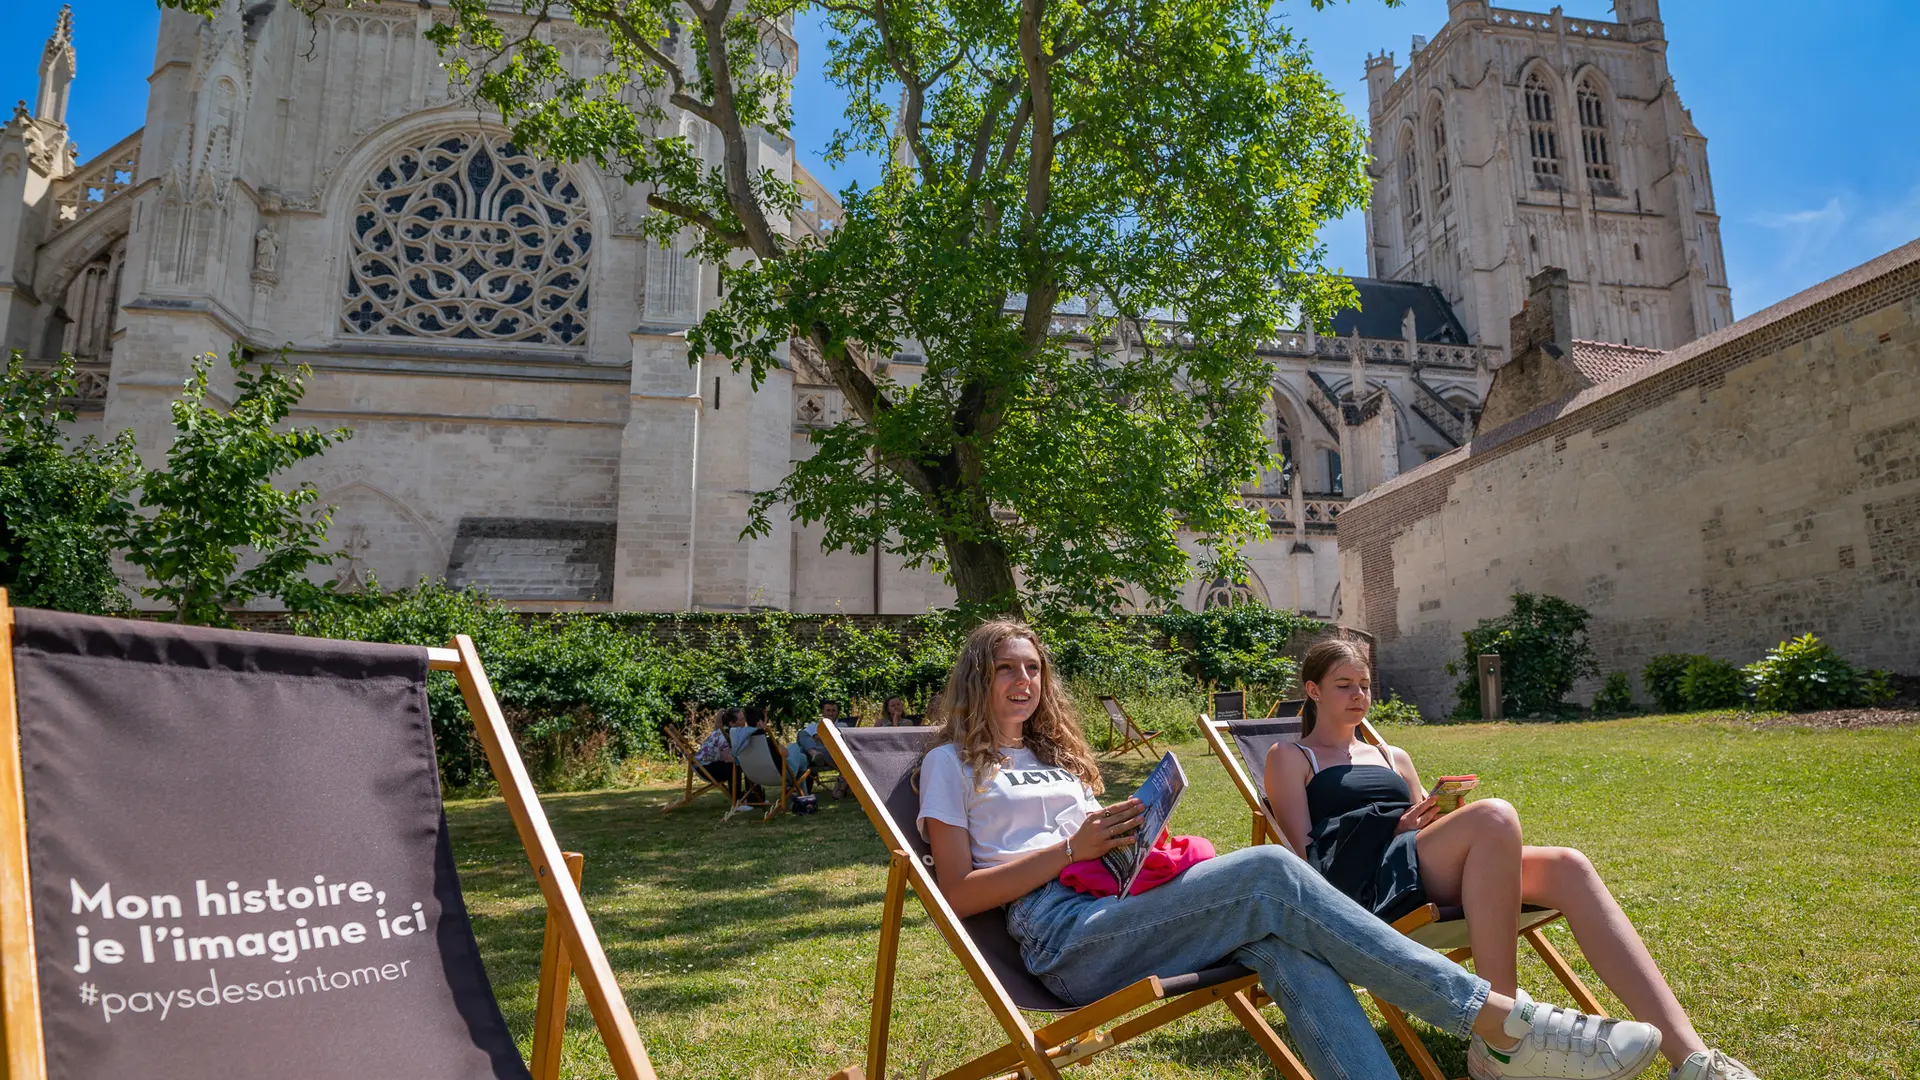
(677, 739)
(1428, 917)
(1131, 735)
(571, 941)
(1029, 1053)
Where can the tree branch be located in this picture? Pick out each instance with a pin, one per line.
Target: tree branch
(759, 232)
(732, 237)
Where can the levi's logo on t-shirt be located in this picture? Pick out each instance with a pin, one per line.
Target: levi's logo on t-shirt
(1038, 776)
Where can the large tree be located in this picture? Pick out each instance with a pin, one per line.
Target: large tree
(1160, 165)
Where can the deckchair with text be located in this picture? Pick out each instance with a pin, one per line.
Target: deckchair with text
(1441, 928)
(882, 767)
(224, 854)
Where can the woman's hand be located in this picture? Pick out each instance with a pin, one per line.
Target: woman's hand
(1420, 815)
(1106, 829)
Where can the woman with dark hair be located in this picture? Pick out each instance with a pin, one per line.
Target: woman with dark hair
(1359, 814)
(1007, 804)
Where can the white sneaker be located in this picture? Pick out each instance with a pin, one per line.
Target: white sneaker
(1711, 1065)
(1560, 1044)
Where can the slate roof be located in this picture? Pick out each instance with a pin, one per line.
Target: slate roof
(1603, 360)
(1383, 304)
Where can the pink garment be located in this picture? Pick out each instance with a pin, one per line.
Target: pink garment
(1168, 859)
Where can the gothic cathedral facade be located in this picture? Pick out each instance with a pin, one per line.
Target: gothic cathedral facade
(1515, 141)
(510, 353)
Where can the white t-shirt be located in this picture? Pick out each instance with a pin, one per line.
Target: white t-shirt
(1028, 806)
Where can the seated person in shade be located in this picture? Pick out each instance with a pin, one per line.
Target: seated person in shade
(754, 721)
(715, 754)
(1007, 803)
(808, 752)
(893, 712)
(1359, 813)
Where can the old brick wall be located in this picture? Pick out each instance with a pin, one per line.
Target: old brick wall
(1758, 483)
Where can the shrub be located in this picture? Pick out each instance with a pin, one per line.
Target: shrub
(1245, 645)
(1662, 679)
(1805, 674)
(1615, 697)
(1118, 655)
(575, 692)
(1543, 649)
(1707, 683)
(60, 501)
(1394, 711)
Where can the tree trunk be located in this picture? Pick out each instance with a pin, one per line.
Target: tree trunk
(982, 576)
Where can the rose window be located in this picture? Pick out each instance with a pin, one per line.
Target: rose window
(469, 238)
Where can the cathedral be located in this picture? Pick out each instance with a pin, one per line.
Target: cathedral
(509, 349)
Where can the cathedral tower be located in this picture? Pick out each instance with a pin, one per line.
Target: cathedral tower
(1515, 141)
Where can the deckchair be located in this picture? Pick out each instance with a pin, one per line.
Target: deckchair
(1442, 928)
(761, 761)
(678, 742)
(1230, 704)
(225, 854)
(1127, 734)
(882, 767)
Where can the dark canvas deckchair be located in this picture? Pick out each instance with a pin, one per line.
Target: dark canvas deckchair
(679, 743)
(881, 765)
(224, 854)
(1126, 733)
(1242, 746)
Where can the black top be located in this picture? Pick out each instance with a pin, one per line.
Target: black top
(1355, 810)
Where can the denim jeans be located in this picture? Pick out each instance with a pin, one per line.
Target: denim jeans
(1264, 908)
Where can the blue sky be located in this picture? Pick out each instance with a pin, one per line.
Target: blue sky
(1808, 108)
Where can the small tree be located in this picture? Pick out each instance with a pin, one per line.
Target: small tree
(217, 496)
(1543, 648)
(60, 502)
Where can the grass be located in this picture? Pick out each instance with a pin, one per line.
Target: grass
(1774, 873)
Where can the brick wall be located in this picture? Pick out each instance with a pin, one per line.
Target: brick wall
(1760, 482)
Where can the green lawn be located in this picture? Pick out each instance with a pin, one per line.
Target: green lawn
(1775, 874)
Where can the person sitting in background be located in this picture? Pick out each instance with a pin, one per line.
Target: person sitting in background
(809, 752)
(715, 755)
(752, 721)
(893, 712)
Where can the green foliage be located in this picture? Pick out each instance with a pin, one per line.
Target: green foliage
(1615, 697)
(574, 691)
(1805, 673)
(1662, 678)
(1543, 648)
(216, 496)
(1140, 159)
(1394, 711)
(1241, 646)
(60, 501)
(1118, 654)
(1707, 683)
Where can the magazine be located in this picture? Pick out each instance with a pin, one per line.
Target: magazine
(1160, 794)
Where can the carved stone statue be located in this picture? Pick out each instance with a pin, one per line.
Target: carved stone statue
(266, 251)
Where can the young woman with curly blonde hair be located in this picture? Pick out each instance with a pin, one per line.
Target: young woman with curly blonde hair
(1007, 803)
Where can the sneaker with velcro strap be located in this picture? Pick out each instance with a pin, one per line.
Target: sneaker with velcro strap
(1561, 1044)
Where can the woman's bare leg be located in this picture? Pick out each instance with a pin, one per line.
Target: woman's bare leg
(1564, 879)
(1471, 857)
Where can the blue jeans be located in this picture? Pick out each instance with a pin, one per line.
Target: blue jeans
(1264, 908)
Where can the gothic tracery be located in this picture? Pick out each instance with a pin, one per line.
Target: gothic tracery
(469, 238)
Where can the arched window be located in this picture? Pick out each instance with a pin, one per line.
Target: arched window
(470, 238)
(1593, 138)
(1543, 137)
(1409, 179)
(1437, 133)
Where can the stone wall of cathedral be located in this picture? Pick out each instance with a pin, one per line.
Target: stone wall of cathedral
(1513, 141)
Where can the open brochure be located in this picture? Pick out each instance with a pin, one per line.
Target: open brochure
(1159, 794)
